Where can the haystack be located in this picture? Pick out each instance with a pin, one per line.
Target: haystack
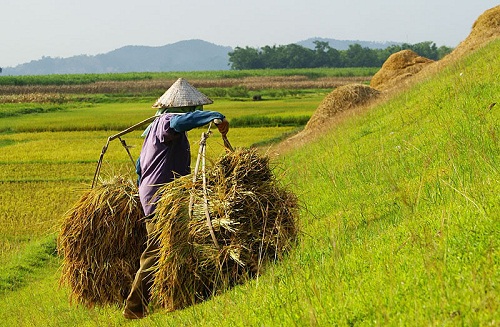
(398, 67)
(403, 69)
(341, 99)
(487, 26)
(101, 240)
(485, 29)
(253, 219)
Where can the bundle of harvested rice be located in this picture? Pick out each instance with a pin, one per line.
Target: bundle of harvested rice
(101, 240)
(253, 218)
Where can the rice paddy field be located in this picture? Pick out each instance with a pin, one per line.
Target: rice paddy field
(47, 158)
(399, 204)
(50, 152)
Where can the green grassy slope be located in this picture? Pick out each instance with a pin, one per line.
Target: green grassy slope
(400, 223)
(407, 201)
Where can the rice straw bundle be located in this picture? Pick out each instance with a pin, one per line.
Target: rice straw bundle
(253, 218)
(101, 240)
(341, 99)
(398, 68)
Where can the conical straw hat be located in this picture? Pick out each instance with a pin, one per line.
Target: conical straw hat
(182, 94)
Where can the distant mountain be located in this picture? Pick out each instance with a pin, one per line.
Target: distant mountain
(189, 55)
(344, 44)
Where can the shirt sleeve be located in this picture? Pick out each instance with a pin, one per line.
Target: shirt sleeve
(190, 120)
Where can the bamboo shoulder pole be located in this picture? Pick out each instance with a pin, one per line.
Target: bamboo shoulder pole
(132, 128)
(115, 136)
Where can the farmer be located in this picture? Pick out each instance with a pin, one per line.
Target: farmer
(165, 155)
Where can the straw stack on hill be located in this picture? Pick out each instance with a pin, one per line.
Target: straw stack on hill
(344, 99)
(405, 67)
(341, 99)
(485, 29)
(397, 68)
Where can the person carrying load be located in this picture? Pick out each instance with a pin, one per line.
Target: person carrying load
(165, 155)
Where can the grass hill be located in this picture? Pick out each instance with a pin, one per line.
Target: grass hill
(400, 220)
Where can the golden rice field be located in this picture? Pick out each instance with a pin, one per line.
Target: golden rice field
(51, 143)
(43, 174)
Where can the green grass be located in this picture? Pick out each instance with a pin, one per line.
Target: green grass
(28, 265)
(400, 217)
(119, 116)
(26, 109)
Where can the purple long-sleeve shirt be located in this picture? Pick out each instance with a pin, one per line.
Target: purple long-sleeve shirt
(166, 152)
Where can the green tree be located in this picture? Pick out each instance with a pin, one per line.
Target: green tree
(287, 56)
(296, 56)
(357, 56)
(334, 59)
(245, 58)
(443, 51)
(321, 54)
(272, 56)
(426, 49)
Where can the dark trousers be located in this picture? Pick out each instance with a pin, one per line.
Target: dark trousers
(139, 296)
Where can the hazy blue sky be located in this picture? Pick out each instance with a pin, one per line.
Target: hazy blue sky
(30, 29)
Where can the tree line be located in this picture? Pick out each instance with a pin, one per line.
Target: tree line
(297, 56)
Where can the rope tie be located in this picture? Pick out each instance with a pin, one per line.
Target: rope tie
(201, 157)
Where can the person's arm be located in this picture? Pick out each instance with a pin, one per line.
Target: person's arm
(190, 120)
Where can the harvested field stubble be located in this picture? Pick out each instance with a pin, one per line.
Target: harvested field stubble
(157, 86)
(101, 240)
(33, 97)
(253, 219)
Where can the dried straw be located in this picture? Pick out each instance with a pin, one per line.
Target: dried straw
(341, 99)
(392, 78)
(397, 68)
(254, 219)
(101, 240)
(485, 29)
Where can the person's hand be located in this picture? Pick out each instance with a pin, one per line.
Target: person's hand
(222, 125)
